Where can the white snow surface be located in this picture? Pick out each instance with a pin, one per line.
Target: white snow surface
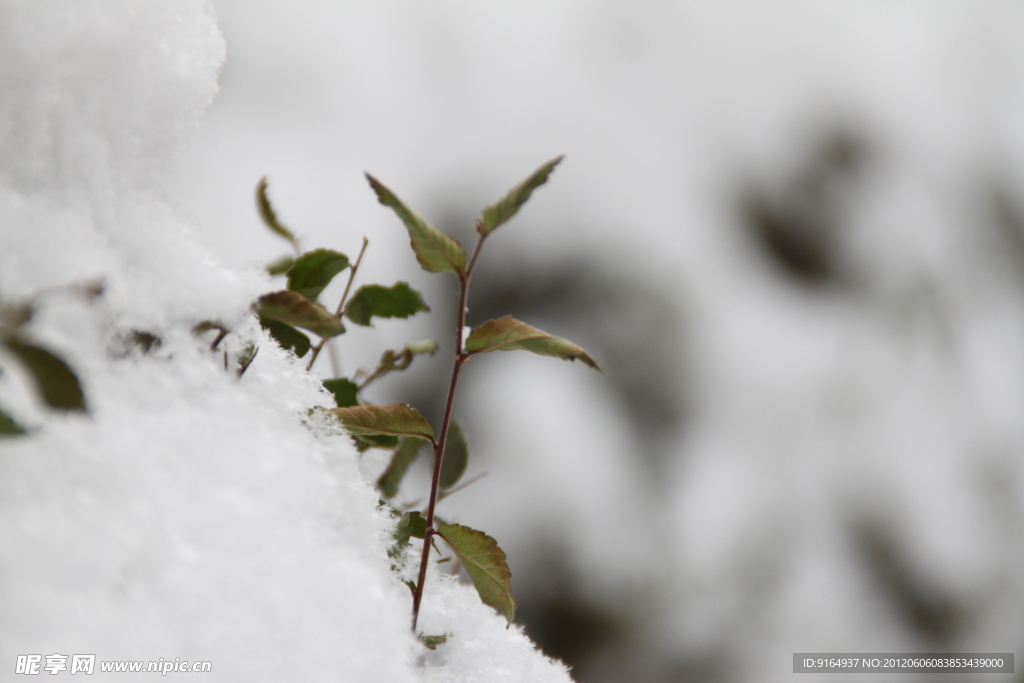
(191, 514)
(896, 404)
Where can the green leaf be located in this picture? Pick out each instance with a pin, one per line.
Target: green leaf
(56, 382)
(509, 334)
(396, 419)
(314, 270)
(280, 266)
(405, 454)
(246, 357)
(289, 338)
(433, 641)
(506, 207)
(456, 457)
(383, 441)
(294, 309)
(345, 391)
(411, 525)
(435, 251)
(397, 301)
(8, 427)
(268, 214)
(485, 563)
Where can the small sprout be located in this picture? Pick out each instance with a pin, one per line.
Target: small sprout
(397, 426)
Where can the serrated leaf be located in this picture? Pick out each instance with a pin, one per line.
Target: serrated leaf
(294, 309)
(268, 214)
(346, 392)
(485, 563)
(509, 334)
(8, 427)
(456, 457)
(411, 525)
(404, 456)
(57, 383)
(398, 301)
(435, 251)
(506, 207)
(289, 338)
(396, 419)
(314, 270)
(281, 265)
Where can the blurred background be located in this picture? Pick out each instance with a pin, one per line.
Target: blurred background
(793, 233)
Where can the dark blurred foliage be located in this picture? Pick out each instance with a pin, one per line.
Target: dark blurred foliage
(562, 622)
(1007, 209)
(800, 222)
(931, 613)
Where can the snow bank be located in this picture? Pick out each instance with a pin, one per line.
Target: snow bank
(894, 404)
(192, 515)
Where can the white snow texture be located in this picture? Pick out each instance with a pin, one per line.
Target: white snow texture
(190, 515)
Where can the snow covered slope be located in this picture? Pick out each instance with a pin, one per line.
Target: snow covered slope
(191, 515)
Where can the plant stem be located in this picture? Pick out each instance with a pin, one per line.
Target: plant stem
(341, 304)
(460, 358)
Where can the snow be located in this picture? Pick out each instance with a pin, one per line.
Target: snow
(191, 514)
(895, 403)
(199, 516)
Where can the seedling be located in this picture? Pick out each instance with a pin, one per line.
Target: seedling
(399, 427)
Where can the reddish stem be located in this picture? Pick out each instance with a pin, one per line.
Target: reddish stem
(460, 358)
